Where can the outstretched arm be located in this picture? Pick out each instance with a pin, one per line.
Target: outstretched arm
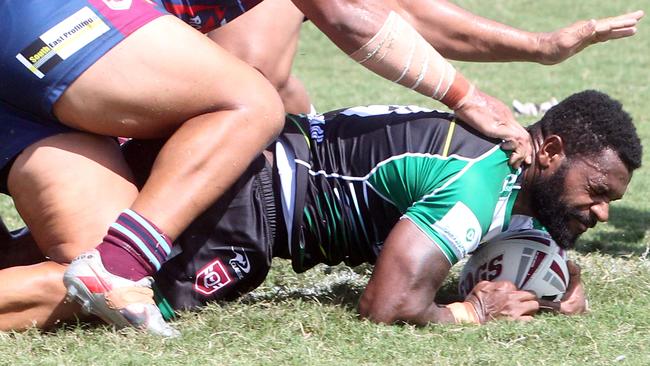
(376, 35)
(396, 40)
(461, 35)
(409, 272)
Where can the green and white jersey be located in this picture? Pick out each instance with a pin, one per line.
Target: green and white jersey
(360, 170)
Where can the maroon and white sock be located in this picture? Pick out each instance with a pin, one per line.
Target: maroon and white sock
(134, 247)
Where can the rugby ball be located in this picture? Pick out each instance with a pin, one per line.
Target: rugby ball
(528, 258)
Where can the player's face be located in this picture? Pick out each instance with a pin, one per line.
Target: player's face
(577, 195)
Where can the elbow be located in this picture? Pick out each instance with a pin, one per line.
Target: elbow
(374, 311)
(399, 308)
(349, 24)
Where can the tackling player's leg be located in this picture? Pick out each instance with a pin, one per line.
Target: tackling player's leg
(60, 208)
(34, 296)
(198, 163)
(162, 79)
(68, 188)
(266, 37)
(168, 79)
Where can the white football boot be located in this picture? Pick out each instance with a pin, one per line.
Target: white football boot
(116, 300)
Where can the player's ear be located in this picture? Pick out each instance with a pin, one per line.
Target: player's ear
(551, 153)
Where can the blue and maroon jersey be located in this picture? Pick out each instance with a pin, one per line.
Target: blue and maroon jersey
(206, 15)
(45, 46)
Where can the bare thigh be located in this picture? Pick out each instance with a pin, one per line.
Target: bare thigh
(167, 79)
(154, 80)
(68, 188)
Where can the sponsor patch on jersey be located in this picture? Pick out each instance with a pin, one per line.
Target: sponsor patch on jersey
(195, 22)
(461, 228)
(211, 278)
(375, 110)
(316, 131)
(508, 184)
(62, 41)
(240, 263)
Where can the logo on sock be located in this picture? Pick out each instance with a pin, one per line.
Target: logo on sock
(211, 278)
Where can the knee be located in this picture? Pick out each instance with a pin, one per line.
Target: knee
(272, 68)
(283, 83)
(65, 253)
(263, 112)
(277, 69)
(279, 76)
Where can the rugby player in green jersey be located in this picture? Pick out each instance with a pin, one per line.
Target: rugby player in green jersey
(141, 88)
(410, 190)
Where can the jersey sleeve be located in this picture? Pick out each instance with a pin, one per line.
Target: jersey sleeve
(451, 199)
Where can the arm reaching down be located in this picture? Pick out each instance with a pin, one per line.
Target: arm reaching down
(396, 38)
(380, 39)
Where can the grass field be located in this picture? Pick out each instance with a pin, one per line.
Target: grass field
(311, 318)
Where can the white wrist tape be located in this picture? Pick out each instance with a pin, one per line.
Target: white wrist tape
(399, 53)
